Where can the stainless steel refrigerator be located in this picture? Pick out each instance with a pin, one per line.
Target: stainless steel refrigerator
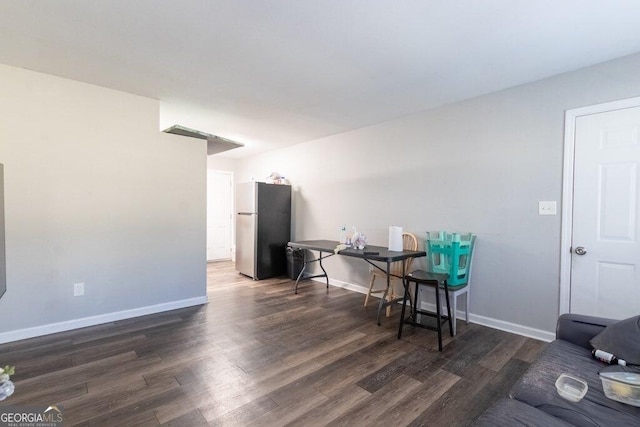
(263, 229)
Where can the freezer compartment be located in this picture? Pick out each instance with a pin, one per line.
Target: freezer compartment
(246, 197)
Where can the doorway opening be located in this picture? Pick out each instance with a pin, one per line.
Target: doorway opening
(220, 215)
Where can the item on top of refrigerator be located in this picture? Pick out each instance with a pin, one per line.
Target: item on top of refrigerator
(276, 178)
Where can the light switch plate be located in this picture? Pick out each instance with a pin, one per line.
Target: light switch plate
(547, 207)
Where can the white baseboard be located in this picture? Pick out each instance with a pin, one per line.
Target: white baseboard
(502, 325)
(515, 328)
(68, 325)
(341, 284)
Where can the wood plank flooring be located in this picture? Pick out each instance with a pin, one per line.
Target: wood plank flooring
(259, 355)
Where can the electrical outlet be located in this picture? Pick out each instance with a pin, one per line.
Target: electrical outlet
(78, 289)
(547, 208)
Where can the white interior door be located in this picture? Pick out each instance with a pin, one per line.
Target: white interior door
(605, 250)
(219, 214)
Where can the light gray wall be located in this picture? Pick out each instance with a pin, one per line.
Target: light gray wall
(94, 193)
(218, 162)
(480, 165)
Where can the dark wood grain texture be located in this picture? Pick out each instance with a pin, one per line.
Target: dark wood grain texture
(259, 355)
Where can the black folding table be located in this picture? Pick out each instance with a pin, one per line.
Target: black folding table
(326, 249)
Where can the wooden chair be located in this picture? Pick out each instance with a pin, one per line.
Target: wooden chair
(410, 243)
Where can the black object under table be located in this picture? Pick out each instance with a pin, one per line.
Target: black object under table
(434, 280)
(327, 248)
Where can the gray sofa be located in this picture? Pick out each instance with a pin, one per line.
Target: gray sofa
(534, 400)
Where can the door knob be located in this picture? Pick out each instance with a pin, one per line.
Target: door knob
(580, 250)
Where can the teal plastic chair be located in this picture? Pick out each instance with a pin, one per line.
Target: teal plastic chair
(452, 254)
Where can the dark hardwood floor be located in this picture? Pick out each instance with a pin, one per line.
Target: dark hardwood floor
(259, 355)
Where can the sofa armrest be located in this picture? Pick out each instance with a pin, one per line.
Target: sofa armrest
(578, 329)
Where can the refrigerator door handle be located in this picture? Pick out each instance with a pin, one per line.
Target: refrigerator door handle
(246, 213)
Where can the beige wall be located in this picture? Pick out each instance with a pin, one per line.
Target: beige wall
(480, 165)
(94, 193)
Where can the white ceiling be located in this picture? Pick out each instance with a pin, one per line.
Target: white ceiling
(276, 72)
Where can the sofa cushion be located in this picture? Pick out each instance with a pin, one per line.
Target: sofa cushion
(621, 339)
(509, 413)
(537, 388)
